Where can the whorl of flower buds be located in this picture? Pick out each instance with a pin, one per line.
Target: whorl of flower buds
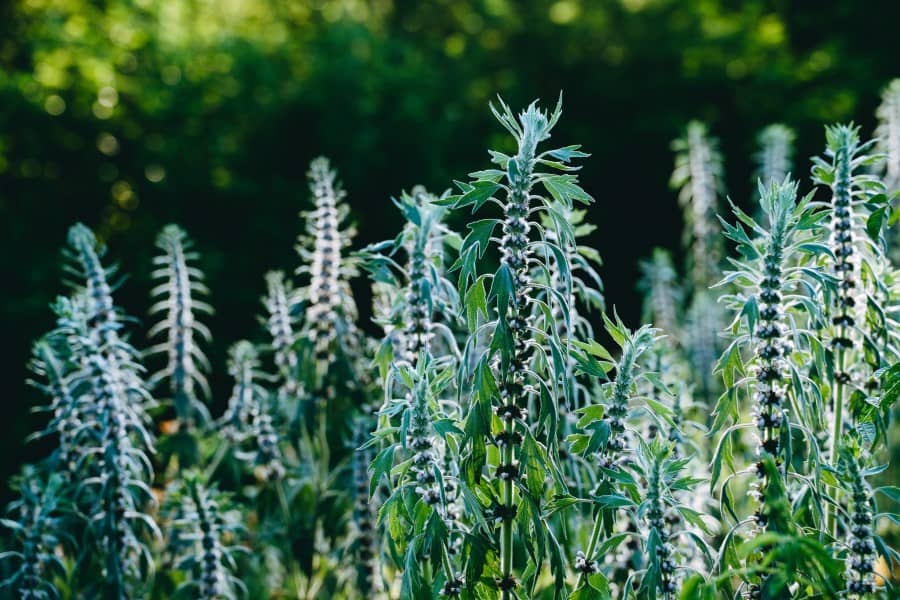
(419, 305)
(772, 344)
(202, 529)
(425, 468)
(268, 453)
(860, 543)
(516, 255)
(656, 519)
(842, 240)
(363, 513)
(622, 390)
(86, 252)
(214, 575)
(100, 312)
(180, 283)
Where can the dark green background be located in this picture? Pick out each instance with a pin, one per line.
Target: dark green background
(232, 99)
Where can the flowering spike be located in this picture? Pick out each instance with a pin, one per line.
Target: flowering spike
(179, 284)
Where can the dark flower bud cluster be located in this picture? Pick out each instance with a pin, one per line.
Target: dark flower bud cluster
(268, 454)
(417, 333)
(515, 253)
(367, 542)
(584, 565)
(426, 471)
(860, 543)
(772, 347)
(618, 407)
(842, 243)
(452, 588)
(657, 521)
(201, 531)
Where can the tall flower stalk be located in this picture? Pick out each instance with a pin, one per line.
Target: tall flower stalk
(606, 435)
(860, 541)
(330, 312)
(247, 417)
(180, 282)
(699, 177)
(113, 426)
(113, 429)
(769, 308)
(417, 360)
(204, 532)
(853, 193)
(662, 296)
(508, 375)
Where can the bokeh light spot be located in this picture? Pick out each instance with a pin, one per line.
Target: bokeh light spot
(155, 173)
(55, 105)
(563, 13)
(108, 144)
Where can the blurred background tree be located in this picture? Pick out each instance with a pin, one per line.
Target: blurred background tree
(129, 114)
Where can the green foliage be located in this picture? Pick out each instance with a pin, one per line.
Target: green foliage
(485, 443)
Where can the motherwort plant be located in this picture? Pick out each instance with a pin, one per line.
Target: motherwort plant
(775, 154)
(606, 436)
(856, 243)
(186, 364)
(114, 422)
(485, 447)
(204, 532)
(699, 179)
(38, 527)
(421, 303)
(770, 345)
(662, 293)
(662, 474)
(417, 361)
(860, 542)
(330, 311)
(247, 417)
(519, 368)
